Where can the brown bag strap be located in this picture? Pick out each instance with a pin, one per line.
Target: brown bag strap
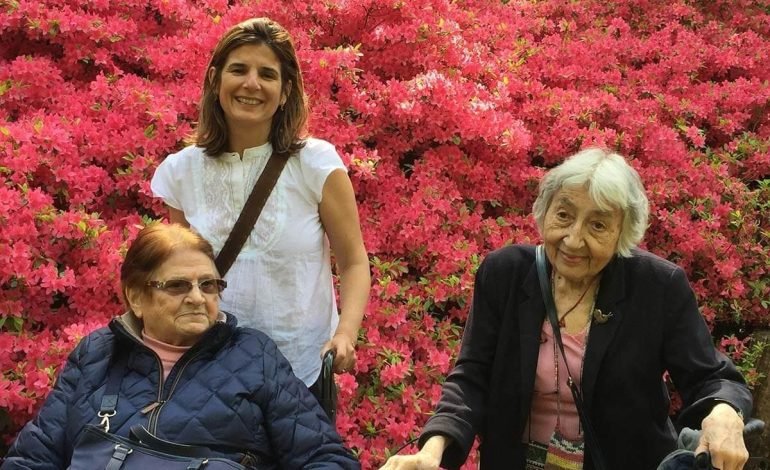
(250, 213)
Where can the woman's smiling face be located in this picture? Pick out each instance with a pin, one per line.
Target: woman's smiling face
(251, 89)
(580, 238)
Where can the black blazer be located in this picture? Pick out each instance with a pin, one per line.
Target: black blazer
(655, 327)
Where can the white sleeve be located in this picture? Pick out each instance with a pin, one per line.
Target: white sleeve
(166, 182)
(318, 159)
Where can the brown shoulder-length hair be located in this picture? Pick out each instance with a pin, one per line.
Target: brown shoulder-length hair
(289, 120)
(152, 247)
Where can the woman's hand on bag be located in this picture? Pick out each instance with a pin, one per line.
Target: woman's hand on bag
(722, 438)
(344, 352)
(428, 458)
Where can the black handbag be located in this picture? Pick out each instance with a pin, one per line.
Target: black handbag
(97, 449)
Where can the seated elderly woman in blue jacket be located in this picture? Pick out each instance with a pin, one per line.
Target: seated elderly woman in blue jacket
(191, 375)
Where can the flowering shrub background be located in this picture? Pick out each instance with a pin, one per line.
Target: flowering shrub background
(447, 112)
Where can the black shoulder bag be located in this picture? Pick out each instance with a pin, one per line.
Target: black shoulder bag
(97, 449)
(545, 288)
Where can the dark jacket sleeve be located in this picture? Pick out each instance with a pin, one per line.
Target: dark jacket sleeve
(701, 374)
(463, 404)
(40, 444)
(300, 432)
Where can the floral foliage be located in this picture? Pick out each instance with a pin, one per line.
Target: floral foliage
(447, 113)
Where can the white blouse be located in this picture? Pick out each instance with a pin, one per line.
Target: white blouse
(281, 283)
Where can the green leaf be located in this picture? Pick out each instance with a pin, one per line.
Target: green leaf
(14, 324)
(4, 87)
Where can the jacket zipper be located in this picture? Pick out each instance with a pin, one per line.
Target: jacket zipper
(155, 408)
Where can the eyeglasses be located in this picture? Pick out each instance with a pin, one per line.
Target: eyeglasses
(183, 286)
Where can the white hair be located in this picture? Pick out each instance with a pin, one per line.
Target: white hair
(612, 184)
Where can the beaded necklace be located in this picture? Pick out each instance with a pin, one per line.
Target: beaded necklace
(556, 370)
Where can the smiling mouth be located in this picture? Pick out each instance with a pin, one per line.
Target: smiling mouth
(249, 101)
(573, 258)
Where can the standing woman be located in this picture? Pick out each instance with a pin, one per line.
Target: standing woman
(624, 316)
(253, 105)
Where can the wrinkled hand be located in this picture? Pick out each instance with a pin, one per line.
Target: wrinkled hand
(428, 458)
(418, 461)
(344, 350)
(722, 437)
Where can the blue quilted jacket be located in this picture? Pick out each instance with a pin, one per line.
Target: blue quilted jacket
(233, 391)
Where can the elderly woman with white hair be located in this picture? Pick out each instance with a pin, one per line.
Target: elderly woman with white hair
(580, 384)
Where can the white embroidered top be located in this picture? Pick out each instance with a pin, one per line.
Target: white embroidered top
(281, 282)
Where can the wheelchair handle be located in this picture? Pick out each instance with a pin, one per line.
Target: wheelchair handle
(327, 385)
(753, 426)
(328, 362)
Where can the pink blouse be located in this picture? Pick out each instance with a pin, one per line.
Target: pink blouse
(544, 404)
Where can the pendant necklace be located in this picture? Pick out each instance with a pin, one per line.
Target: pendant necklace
(562, 323)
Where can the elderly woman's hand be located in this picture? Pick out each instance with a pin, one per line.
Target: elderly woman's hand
(722, 437)
(428, 458)
(418, 461)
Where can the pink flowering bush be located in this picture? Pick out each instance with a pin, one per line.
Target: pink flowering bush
(447, 113)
